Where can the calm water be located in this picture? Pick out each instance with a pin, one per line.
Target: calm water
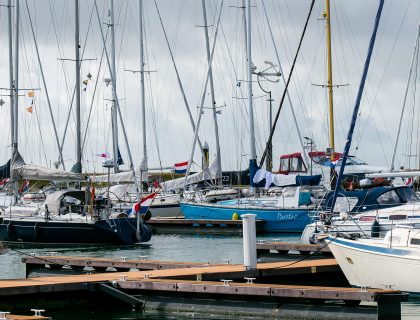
(161, 247)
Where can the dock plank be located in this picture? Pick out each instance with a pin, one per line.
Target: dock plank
(255, 289)
(81, 282)
(142, 264)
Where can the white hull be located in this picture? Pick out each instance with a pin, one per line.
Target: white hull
(361, 228)
(370, 264)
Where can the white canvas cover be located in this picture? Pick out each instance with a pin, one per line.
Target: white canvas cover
(125, 176)
(179, 183)
(21, 170)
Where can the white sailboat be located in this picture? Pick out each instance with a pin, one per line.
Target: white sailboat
(391, 263)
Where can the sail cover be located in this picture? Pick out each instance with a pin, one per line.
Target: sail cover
(267, 179)
(125, 176)
(21, 170)
(179, 183)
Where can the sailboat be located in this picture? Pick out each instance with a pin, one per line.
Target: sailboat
(391, 263)
(68, 216)
(287, 213)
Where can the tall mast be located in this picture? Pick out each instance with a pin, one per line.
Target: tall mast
(78, 167)
(330, 81)
(143, 164)
(14, 94)
(16, 84)
(415, 51)
(213, 100)
(11, 91)
(252, 150)
(114, 115)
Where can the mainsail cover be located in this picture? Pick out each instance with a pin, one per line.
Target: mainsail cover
(179, 183)
(125, 176)
(21, 170)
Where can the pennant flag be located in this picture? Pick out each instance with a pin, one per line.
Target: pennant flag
(143, 205)
(409, 182)
(181, 167)
(102, 155)
(85, 82)
(30, 94)
(120, 160)
(29, 109)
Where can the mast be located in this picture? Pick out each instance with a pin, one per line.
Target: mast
(304, 152)
(143, 165)
(330, 81)
(357, 104)
(11, 92)
(114, 115)
(415, 51)
(78, 166)
(16, 84)
(14, 94)
(213, 100)
(252, 149)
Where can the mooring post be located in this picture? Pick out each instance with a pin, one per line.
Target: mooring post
(250, 241)
(389, 305)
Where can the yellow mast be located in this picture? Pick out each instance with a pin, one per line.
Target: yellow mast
(326, 15)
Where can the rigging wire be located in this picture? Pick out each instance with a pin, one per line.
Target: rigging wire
(287, 84)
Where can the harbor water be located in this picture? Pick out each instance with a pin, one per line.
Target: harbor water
(189, 248)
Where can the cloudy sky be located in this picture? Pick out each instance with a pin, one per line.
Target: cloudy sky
(169, 132)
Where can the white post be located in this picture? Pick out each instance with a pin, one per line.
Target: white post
(250, 241)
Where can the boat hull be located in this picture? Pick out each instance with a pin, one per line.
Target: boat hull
(376, 266)
(275, 220)
(114, 231)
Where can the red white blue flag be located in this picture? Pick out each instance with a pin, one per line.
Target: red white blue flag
(409, 182)
(25, 186)
(181, 167)
(143, 205)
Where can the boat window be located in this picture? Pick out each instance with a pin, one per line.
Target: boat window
(407, 194)
(351, 161)
(296, 165)
(397, 217)
(389, 197)
(367, 218)
(284, 164)
(415, 241)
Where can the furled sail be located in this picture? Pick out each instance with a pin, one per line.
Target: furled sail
(21, 170)
(125, 176)
(179, 183)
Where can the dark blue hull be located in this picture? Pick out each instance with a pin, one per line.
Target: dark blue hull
(114, 231)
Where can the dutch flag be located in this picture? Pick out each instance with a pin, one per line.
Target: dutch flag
(143, 205)
(181, 167)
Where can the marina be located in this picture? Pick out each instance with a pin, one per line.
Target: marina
(213, 159)
(193, 279)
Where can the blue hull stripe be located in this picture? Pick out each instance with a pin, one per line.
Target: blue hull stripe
(373, 249)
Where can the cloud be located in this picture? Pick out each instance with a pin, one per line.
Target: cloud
(169, 132)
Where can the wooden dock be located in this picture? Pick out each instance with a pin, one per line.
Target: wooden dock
(195, 280)
(199, 226)
(151, 279)
(156, 269)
